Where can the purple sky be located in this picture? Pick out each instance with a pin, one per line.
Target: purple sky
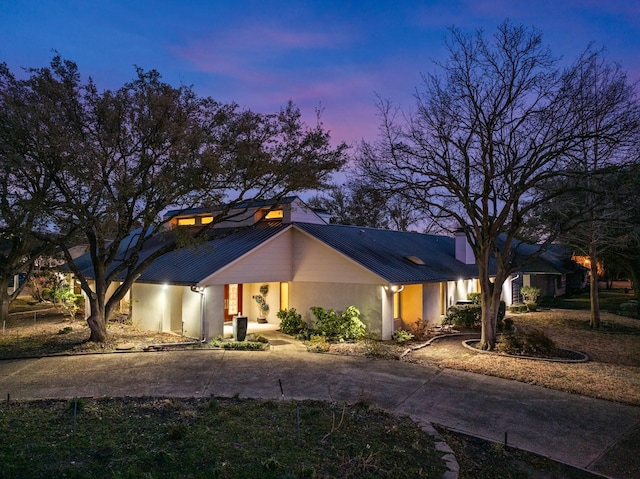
(333, 54)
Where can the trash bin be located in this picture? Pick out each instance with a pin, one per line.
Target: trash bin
(239, 328)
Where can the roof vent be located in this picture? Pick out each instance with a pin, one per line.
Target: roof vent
(415, 260)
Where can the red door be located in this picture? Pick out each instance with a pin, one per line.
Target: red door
(232, 301)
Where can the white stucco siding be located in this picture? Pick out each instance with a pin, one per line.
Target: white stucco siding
(272, 298)
(191, 313)
(431, 303)
(213, 312)
(148, 306)
(270, 262)
(339, 296)
(314, 261)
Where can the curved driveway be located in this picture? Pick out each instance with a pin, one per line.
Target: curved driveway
(588, 433)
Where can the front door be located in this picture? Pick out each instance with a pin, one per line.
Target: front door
(232, 301)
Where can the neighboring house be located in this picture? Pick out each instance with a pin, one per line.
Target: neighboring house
(394, 278)
(554, 271)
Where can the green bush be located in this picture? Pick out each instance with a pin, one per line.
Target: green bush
(476, 298)
(518, 308)
(464, 316)
(629, 308)
(530, 294)
(401, 336)
(339, 327)
(290, 321)
(470, 315)
(527, 343)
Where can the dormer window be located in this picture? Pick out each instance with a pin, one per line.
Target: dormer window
(205, 220)
(274, 215)
(186, 221)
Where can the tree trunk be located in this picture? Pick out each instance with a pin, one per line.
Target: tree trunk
(594, 321)
(97, 321)
(98, 327)
(490, 304)
(5, 299)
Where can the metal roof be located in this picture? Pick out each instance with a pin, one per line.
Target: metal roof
(395, 256)
(386, 252)
(191, 264)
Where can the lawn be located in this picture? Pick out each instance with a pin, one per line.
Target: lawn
(155, 437)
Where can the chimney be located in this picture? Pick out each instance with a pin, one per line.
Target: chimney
(464, 253)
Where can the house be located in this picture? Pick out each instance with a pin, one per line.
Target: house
(554, 271)
(276, 256)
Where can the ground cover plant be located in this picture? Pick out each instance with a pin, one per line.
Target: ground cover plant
(210, 438)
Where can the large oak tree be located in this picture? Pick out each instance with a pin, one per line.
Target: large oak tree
(119, 158)
(496, 122)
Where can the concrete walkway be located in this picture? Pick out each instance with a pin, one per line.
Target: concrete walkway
(588, 433)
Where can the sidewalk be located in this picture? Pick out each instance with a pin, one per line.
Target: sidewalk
(583, 432)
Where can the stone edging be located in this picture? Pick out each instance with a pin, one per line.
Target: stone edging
(453, 468)
(584, 358)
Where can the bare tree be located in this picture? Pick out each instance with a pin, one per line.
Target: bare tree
(497, 123)
(589, 211)
(119, 158)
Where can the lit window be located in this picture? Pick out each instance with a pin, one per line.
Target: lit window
(205, 220)
(186, 221)
(274, 214)
(415, 260)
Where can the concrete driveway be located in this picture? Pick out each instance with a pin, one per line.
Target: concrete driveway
(588, 433)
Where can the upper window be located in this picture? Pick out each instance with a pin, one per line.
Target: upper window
(186, 221)
(274, 214)
(205, 220)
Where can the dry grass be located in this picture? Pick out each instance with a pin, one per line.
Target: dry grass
(51, 332)
(612, 374)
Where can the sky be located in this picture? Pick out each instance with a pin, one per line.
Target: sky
(335, 56)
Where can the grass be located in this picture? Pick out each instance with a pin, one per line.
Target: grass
(613, 372)
(480, 459)
(156, 438)
(210, 438)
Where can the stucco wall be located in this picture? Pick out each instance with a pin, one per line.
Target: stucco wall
(213, 311)
(410, 304)
(270, 262)
(250, 307)
(339, 296)
(431, 303)
(148, 306)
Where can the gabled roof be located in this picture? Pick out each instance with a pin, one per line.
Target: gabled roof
(386, 253)
(191, 264)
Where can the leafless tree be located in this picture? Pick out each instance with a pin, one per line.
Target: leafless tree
(495, 124)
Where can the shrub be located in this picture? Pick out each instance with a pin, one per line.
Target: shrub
(518, 308)
(420, 328)
(527, 343)
(290, 321)
(476, 298)
(340, 327)
(530, 294)
(629, 308)
(464, 315)
(532, 307)
(401, 336)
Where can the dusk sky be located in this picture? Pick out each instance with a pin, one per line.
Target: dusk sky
(336, 55)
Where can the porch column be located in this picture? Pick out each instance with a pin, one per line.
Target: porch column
(213, 317)
(387, 312)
